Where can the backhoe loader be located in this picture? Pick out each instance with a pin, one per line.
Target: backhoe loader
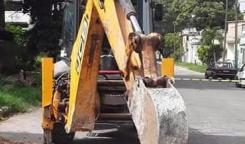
(111, 75)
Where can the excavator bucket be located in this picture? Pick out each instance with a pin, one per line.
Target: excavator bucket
(159, 114)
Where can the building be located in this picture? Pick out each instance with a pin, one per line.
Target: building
(230, 42)
(191, 41)
(14, 14)
(241, 52)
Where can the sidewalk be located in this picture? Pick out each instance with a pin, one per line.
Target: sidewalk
(181, 72)
(24, 127)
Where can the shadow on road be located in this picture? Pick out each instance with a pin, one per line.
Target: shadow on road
(108, 134)
(126, 134)
(202, 85)
(196, 137)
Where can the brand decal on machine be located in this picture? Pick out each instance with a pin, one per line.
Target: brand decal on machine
(83, 39)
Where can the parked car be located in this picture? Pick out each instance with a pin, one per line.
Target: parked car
(221, 70)
(241, 77)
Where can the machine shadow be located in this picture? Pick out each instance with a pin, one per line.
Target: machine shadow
(111, 134)
(196, 137)
(123, 134)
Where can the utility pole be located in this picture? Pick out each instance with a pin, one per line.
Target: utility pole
(226, 17)
(174, 23)
(236, 37)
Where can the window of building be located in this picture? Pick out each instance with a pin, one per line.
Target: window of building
(243, 56)
(243, 27)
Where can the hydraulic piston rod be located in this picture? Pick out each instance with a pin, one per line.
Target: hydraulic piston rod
(131, 14)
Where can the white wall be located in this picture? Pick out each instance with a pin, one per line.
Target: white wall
(191, 39)
(230, 51)
(17, 17)
(230, 42)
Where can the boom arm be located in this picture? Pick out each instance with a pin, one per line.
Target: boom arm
(111, 17)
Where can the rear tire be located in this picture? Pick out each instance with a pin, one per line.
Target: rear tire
(206, 76)
(237, 83)
(58, 135)
(214, 77)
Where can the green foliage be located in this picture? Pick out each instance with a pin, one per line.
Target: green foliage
(47, 18)
(22, 54)
(38, 58)
(211, 34)
(18, 33)
(193, 67)
(172, 45)
(208, 54)
(172, 39)
(8, 54)
(16, 97)
(196, 13)
(209, 51)
(203, 53)
(169, 16)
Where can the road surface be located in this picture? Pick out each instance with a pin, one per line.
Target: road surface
(216, 110)
(216, 113)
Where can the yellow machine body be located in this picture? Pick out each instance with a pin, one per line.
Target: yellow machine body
(47, 91)
(167, 67)
(135, 56)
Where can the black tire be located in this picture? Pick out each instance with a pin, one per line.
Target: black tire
(237, 83)
(214, 77)
(206, 76)
(58, 135)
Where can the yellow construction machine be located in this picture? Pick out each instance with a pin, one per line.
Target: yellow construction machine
(85, 89)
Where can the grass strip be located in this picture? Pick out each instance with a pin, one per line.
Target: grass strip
(15, 97)
(193, 67)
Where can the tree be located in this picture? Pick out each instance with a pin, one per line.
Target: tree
(47, 17)
(211, 45)
(7, 45)
(206, 15)
(169, 16)
(195, 13)
(172, 45)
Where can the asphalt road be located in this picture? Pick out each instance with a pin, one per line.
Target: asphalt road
(216, 113)
(216, 110)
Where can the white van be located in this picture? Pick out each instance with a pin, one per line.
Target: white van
(241, 77)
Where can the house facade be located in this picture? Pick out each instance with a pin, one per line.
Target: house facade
(14, 14)
(190, 41)
(230, 42)
(241, 53)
